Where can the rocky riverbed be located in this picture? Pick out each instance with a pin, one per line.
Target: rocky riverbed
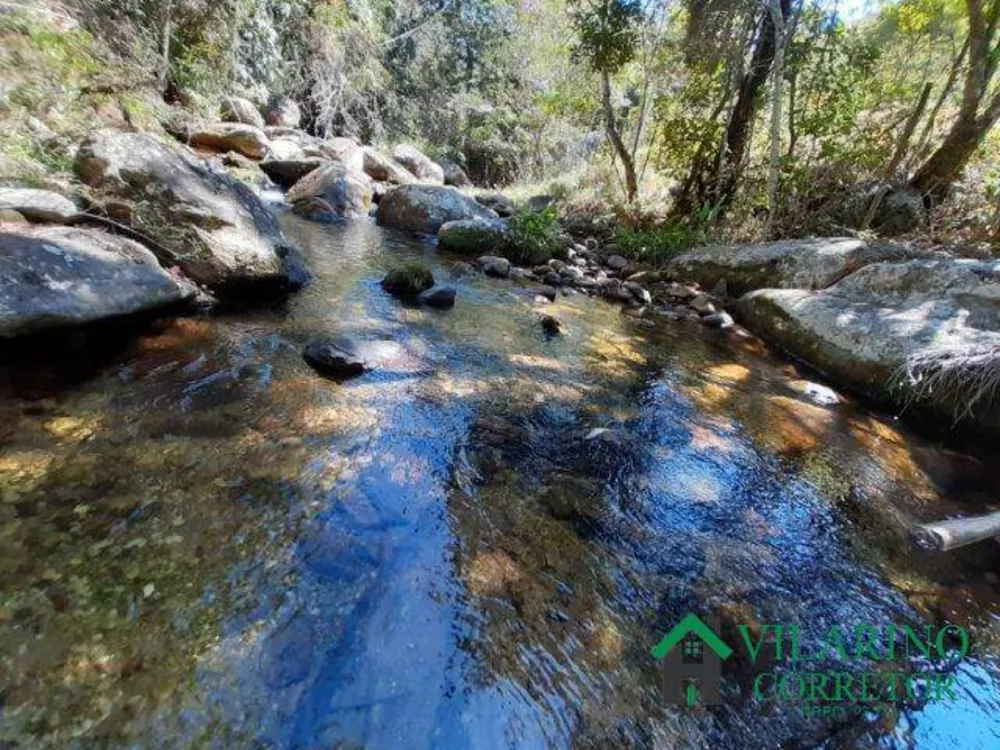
(479, 537)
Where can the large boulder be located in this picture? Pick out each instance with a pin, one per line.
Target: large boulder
(284, 113)
(212, 226)
(344, 192)
(381, 168)
(901, 211)
(238, 109)
(473, 237)
(424, 208)
(231, 136)
(419, 164)
(788, 264)
(61, 276)
(503, 205)
(454, 174)
(37, 205)
(889, 318)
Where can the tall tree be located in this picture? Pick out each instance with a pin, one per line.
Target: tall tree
(714, 183)
(608, 37)
(979, 109)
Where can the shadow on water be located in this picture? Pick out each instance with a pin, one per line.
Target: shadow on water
(474, 545)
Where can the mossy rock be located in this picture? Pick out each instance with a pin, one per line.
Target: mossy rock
(472, 237)
(409, 280)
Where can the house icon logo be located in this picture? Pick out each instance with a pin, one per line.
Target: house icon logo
(691, 655)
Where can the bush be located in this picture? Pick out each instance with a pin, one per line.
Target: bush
(534, 237)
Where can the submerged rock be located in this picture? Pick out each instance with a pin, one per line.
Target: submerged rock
(494, 265)
(37, 205)
(61, 276)
(419, 164)
(408, 281)
(334, 359)
(210, 225)
(441, 298)
(425, 208)
(551, 325)
(803, 264)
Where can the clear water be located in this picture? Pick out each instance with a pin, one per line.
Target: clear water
(475, 545)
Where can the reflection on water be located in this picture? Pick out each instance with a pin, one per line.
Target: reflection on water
(474, 545)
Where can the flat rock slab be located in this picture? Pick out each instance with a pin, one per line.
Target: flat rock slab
(866, 330)
(789, 264)
(52, 277)
(37, 205)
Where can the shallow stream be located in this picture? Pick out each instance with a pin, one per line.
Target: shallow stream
(205, 544)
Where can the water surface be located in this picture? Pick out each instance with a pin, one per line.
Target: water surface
(475, 545)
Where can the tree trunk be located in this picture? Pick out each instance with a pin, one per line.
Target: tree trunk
(631, 184)
(935, 178)
(164, 73)
(949, 84)
(718, 189)
(747, 103)
(774, 158)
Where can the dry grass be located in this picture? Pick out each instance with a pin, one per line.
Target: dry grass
(960, 379)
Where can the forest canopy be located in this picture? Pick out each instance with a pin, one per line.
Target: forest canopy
(772, 117)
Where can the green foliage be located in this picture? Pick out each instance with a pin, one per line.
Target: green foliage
(655, 243)
(534, 237)
(607, 30)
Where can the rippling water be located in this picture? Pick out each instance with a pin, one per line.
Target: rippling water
(475, 545)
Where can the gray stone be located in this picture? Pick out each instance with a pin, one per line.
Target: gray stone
(210, 225)
(617, 263)
(802, 264)
(382, 168)
(722, 320)
(347, 192)
(864, 330)
(424, 208)
(493, 265)
(231, 136)
(454, 174)
(703, 304)
(37, 205)
(501, 204)
(419, 164)
(238, 109)
(441, 298)
(62, 276)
